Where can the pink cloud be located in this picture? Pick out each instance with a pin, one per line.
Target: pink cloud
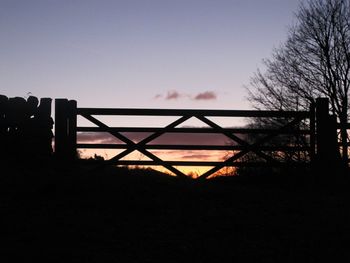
(192, 139)
(96, 137)
(201, 156)
(168, 138)
(173, 95)
(105, 137)
(208, 95)
(188, 155)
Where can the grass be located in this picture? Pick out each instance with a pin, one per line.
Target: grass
(77, 214)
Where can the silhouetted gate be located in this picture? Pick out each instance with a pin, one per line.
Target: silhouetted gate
(297, 124)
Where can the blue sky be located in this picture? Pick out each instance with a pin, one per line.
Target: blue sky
(139, 53)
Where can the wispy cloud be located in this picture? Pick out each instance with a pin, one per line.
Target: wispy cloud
(192, 139)
(170, 95)
(169, 138)
(207, 95)
(96, 137)
(188, 155)
(200, 156)
(175, 95)
(105, 137)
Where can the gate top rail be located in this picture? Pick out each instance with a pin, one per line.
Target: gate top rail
(188, 112)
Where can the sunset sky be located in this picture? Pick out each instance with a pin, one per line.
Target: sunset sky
(139, 53)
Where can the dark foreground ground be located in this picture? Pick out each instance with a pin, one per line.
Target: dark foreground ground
(75, 215)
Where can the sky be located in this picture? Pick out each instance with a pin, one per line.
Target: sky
(139, 53)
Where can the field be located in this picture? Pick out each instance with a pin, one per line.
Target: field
(75, 214)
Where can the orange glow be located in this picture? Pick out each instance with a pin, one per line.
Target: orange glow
(192, 171)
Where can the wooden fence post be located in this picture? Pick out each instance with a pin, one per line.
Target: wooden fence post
(312, 132)
(61, 127)
(65, 129)
(328, 155)
(72, 129)
(322, 116)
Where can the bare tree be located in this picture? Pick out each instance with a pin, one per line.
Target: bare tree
(313, 62)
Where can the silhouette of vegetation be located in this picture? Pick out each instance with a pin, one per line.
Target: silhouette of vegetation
(75, 214)
(313, 62)
(288, 149)
(25, 128)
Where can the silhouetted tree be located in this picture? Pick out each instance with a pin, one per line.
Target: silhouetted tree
(313, 62)
(288, 148)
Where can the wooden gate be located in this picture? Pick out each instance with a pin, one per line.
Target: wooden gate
(297, 124)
